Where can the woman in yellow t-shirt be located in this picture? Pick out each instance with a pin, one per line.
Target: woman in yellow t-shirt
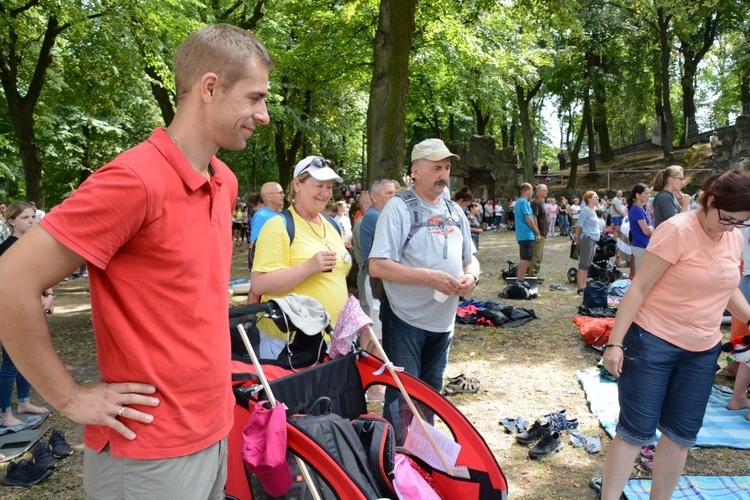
(666, 338)
(317, 262)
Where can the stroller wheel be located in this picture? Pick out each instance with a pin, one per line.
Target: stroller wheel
(605, 278)
(572, 274)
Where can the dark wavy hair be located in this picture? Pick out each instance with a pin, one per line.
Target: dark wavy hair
(637, 189)
(730, 190)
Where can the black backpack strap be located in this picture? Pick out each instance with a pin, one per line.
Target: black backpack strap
(289, 223)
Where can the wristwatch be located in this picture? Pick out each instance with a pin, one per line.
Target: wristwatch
(476, 279)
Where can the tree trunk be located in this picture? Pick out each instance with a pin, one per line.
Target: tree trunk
(599, 108)
(161, 94)
(576, 150)
(667, 138)
(386, 113)
(481, 118)
(745, 89)
(524, 99)
(286, 156)
(693, 53)
(21, 108)
(590, 131)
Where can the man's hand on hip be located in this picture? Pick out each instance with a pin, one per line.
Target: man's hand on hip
(109, 404)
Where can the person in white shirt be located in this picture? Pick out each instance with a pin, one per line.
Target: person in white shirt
(498, 213)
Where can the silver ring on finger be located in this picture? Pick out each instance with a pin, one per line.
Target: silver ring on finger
(122, 409)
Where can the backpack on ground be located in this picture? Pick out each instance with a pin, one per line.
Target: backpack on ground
(595, 295)
(516, 290)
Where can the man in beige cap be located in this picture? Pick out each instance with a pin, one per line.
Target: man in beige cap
(423, 252)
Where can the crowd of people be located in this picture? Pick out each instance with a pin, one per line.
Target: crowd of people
(415, 252)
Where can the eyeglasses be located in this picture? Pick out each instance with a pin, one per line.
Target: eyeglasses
(679, 178)
(731, 222)
(318, 162)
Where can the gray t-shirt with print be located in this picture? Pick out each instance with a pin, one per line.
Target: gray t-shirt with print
(438, 246)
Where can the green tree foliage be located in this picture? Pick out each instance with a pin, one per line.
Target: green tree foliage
(359, 81)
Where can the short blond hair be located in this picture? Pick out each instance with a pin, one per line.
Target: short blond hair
(219, 48)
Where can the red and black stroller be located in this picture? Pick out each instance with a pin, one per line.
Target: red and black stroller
(319, 467)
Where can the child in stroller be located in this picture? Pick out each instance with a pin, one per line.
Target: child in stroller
(601, 268)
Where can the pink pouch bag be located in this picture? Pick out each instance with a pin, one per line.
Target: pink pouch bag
(409, 484)
(264, 449)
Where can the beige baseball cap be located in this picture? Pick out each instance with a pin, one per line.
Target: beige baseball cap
(431, 149)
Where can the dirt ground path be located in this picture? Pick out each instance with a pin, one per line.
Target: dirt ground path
(525, 372)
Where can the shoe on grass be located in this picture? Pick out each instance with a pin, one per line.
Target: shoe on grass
(60, 447)
(549, 444)
(42, 456)
(534, 433)
(23, 474)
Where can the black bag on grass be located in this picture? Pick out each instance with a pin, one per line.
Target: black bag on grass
(516, 290)
(595, 295)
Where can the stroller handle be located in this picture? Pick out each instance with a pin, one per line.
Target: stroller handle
(238, 312)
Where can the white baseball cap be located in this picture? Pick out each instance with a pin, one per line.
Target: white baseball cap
(431, 149)
(318, 167)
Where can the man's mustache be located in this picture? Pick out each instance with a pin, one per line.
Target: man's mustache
(441, 183)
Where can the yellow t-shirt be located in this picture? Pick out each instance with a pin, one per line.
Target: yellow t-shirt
(273, 252)
(685, 306)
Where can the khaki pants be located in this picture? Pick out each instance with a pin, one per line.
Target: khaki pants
(536, 261)
(199, 476)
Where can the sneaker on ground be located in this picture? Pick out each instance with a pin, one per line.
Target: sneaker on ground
(550, 443)
(42, 456)
(24, 474)
(60, 447)
(535, 432)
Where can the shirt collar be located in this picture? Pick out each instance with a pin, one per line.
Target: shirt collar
(177, 160)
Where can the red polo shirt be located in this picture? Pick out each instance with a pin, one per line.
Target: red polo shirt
(157, 237)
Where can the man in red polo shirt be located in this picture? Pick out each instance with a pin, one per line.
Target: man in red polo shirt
(154, 226)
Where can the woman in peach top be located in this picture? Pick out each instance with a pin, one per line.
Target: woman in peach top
(666, 338)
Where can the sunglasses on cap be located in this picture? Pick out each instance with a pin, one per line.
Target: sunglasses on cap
(318, 162)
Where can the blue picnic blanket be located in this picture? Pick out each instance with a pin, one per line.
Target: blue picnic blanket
(696, 488)
(721, 427)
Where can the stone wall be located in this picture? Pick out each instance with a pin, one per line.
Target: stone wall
(489, 172)
(734, 150)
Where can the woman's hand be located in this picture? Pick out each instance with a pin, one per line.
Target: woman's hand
(612, 360)
(323, 261)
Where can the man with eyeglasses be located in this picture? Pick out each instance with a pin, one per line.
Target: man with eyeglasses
(272, 195)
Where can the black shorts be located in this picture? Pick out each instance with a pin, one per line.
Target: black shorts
(527, 249)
